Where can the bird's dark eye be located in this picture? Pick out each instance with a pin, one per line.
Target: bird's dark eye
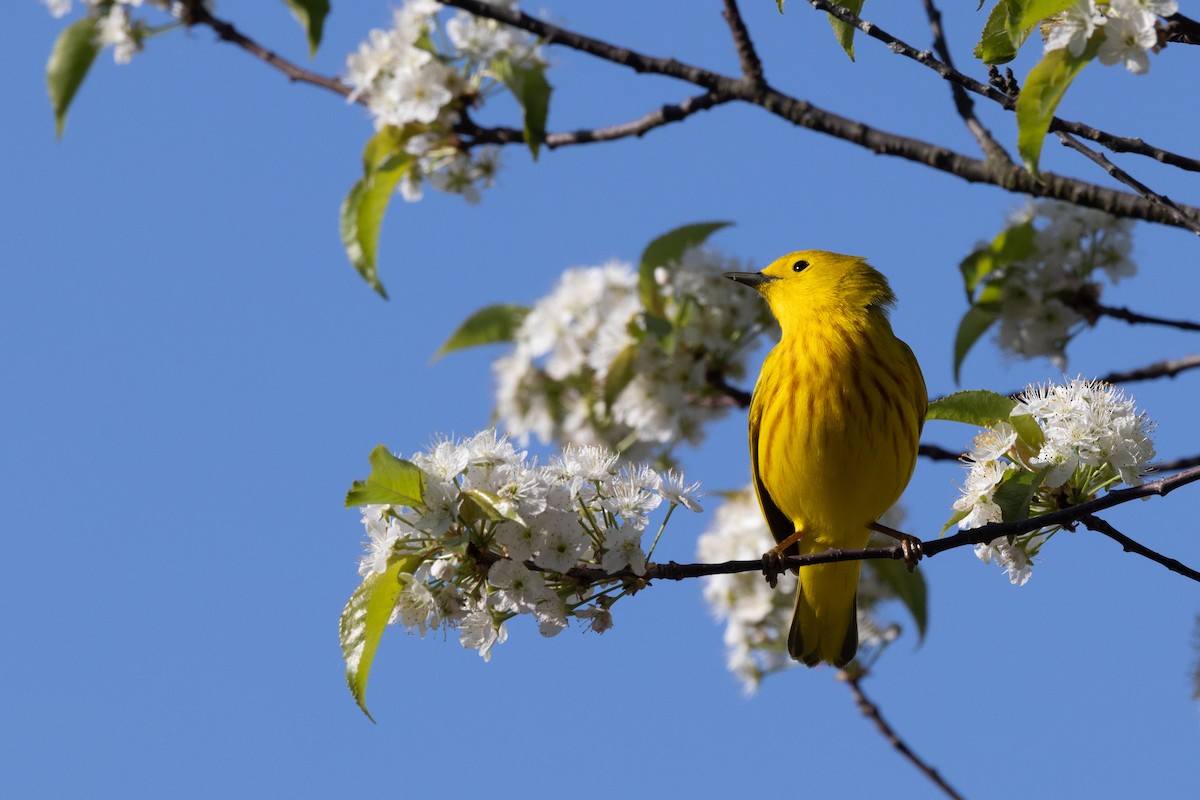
(800, 266)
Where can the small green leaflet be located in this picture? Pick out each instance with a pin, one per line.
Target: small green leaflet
(1012, 244)
(621, 371)
(1000, 40)
(1044, 88)
(311, 15)
(488, 325)
(70, 60)
(843, 30)
(529, 86)
(909, 587)
(364, 619)
(668, 249)
(974, 407)
(987, 266)
(1015, 493)
(384, 164)
(484, 505)
(971, 327)
(393, 481)
(1034, 11)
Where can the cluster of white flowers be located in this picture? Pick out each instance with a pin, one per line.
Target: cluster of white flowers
(115, 26)
(1037, 312)
(1086, 437)
(757, 617)
(479, 568)
(420, 77)
(1129, 29)
(593, 329)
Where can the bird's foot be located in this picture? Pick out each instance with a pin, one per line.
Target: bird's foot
(910, 546)
(772, 565)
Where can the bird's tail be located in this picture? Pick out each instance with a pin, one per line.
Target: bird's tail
(825, 623)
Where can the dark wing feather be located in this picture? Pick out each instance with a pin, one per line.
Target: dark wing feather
(781, 527)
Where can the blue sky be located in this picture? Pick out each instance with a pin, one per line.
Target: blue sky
(193, 374)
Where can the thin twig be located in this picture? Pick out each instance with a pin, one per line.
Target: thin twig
(1175, 464)
(804, 114)
(1186, 220)
(752, 69)
(1168, 368)
(1183, 30)
(929, 548)
(638, 127)
(198, 14)
(1130, 546)
(1134, 318)
(871, 712)
(937, 453)
(962, 101)
(1118, 144)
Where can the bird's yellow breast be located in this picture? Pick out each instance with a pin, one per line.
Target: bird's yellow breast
(837, 411)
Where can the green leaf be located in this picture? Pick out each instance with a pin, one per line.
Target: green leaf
(909, 587)
(621, 371)
(955, 518)
(311, 15)
(1002, 36)
(668, 249)
(1037, 10)
(970, 328)
(482, 504)
(844, 31)
(779, 5)
(363, 620)
(1012, 244)
(393, 481)
(363, 210)
(1044, 88)
(1028, 429)
(72, 57)
(974, 407)
(1015, 493)
(488, 325)
(529, 86)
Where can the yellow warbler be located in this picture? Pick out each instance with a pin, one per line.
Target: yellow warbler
(834, 424)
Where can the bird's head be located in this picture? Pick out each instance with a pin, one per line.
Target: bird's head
(810, 282)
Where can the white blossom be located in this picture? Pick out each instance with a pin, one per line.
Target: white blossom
(1090, 437)
(1126, 40)
(494, 535)
(1074, 27)
(1036, 292)
(480, 632)
(556, 384)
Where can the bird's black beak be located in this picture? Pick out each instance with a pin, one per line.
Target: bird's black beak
(752, 279)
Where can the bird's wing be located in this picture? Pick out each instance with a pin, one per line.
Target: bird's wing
(781, 527)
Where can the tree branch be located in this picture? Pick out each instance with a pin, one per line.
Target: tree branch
(1175, 464)
(962, 101)
(1182, 29)
(871, 712)
(1130, 546)
(1134, 318)
(638, 127)
(752, 69)
(937, 453)
(198, 14)
(806, 115)
(929, 548)
(1185, 220)
(1168, 368)
(1118, 144)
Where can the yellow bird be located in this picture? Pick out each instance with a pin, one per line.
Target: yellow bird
(834, 424)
